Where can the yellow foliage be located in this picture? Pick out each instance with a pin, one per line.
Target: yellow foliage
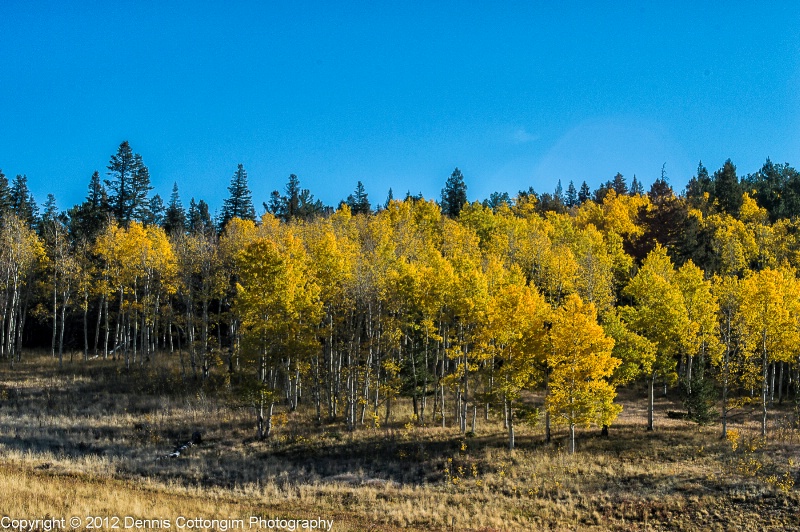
(580, 364)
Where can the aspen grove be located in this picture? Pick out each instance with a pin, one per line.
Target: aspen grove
(542, 303)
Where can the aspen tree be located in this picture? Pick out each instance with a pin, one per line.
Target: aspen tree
(770, 328)
(515, 335)
(279, 308)
(658, 314)
(581, 363)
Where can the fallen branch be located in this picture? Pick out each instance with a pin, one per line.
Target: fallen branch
(196, 440)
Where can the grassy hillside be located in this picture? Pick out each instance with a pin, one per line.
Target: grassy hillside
(89, 440)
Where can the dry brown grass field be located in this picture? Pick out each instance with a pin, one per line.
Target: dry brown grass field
(86, 440)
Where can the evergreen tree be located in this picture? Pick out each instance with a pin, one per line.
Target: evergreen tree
(699, 186)
(87, 219)
(389, 198)
(665, 222)
(155, 212)
(775, 187)
(275, 203)
(584, 194)
(128, 186)
(454, 194)
(140, 188)
(199, 217)
(559, 192)
(22, 202)
(297, 203)
(602, 190)
(239, 203)
(358, 202)
(619, 185)
(637, 189)
(790, 206)
(571, 198)
(49, 210)
(175, 217)
(727, 189)
(5, 194)
(97, 197)
(308, 206)
(496, 199)
(699, 397)
(413, 197)
(291, 202)
(550, 203)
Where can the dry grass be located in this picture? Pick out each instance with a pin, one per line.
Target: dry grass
(86, 440)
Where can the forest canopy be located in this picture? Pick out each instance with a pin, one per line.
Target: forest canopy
(454, 305)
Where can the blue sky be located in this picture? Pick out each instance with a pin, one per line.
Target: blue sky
(395, 94)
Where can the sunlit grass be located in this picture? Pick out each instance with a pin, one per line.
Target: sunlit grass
(88, 440)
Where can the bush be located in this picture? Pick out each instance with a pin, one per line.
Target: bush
(700, 399)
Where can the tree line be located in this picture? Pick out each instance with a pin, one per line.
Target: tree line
(462, 308)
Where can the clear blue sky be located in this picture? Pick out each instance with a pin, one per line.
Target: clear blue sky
(395, 94)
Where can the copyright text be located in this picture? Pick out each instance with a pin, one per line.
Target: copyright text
(114, 522)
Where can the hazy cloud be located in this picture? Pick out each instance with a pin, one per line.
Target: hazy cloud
(522, 136)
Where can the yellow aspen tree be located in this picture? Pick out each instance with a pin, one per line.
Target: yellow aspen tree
(701, 337)
(118, 252)
(594, 279)
(85, 277)
(514, 333)
(658, 314)
(700, 341)
(727, 290)
(160, 276)
(481, 220)
(236, 236)
(331, 262)
(279, 308)
(431, 289)
(756, 219)
(733, 243)
(785, 243)
(770, 328)
(416, 291)
(466, 303)
(372, 346)
(581, 363)
(21, 251)
(636, 353)
(616, 214)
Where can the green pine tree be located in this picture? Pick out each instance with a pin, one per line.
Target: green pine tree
(454, 194)
(128, 186)
(239, 203)
(175, 216)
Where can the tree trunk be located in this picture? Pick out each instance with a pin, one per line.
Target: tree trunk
(772, 384)
(86, 326)
(725, 376)
(55, 317)
(61, 334)
(764, 386)
(474, 417)
(572, 438)
(510, 425)
(444, 424)
(547, 433)
(650, 401)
